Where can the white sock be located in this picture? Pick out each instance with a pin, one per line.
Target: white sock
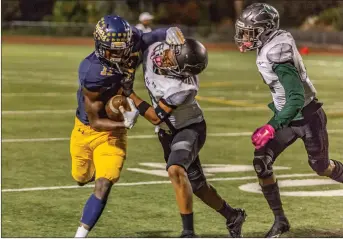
(81, 232)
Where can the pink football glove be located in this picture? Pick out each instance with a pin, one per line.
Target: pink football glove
(262, 135)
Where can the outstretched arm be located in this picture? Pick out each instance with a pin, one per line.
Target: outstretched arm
(172, 35)
(155, 116)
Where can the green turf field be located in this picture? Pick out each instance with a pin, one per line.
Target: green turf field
(38, 103)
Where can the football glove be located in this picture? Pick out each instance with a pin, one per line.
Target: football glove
(262, 135)
(175, 36)
(130, 117)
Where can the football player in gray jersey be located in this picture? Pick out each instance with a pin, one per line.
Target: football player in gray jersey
(297, 112)
(170, 74)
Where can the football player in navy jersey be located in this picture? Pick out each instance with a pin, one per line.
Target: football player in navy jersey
(98, 144)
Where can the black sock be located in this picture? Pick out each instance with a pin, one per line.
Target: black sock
(337, 173)
(187, 222)
(227, 211)
(272, 194)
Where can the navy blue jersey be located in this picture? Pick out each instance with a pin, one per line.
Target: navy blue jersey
(95, 77)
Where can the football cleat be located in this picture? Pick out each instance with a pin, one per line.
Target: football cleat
(280, 226)
(235, 226)
(187, 234)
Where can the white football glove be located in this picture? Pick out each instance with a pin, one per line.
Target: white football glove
(130, 117)
(175, 36)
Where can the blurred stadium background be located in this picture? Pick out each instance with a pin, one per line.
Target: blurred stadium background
(43, 44)
(315, 22)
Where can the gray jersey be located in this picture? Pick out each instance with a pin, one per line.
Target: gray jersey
(281, 49)
(174, 91)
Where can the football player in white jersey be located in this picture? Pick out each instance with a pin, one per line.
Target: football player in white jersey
(170, 74)
(297, 112)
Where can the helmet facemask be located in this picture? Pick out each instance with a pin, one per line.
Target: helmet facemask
(113, 57)
(165, 60)
(248, 38)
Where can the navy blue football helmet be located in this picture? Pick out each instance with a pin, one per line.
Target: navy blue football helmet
(113, 41)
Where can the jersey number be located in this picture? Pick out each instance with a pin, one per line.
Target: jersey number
(106, 72)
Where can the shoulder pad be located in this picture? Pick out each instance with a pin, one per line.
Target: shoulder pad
(280, 53)
(90, 75)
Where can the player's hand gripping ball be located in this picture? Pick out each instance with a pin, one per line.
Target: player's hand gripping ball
(112, 107)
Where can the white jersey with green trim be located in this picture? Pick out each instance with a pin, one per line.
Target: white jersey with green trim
(281, 49)
(174, 91)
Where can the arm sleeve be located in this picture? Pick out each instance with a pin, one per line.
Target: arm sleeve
(152, 37)
(295, 95)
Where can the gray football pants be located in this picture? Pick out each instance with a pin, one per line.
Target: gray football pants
(182, 149)
(315, 138)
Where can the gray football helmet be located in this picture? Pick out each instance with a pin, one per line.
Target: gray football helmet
(255, 26)
(184, 60)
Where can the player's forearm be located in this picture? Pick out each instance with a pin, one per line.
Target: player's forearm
(136, 99)
(151, 116)
(148, 112)
(104, 124)
(295, 95)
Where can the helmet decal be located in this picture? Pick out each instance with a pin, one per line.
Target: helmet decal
(256, 22)
(113, 41)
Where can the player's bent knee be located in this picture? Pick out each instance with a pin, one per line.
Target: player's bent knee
(179, 158)
(323, 167)
(176, 171)
(102, 188)
(263, 165)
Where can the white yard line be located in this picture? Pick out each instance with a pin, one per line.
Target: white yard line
(147, 136)
(24, 112)
(148, 183)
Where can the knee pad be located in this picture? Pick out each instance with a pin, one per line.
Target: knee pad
(183, 149)
(180, 157)
(196, 177)
(263, 165)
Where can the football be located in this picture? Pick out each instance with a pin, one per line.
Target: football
(112, 107)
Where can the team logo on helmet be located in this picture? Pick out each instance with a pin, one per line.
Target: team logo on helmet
(113, 41)
(254, 26)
